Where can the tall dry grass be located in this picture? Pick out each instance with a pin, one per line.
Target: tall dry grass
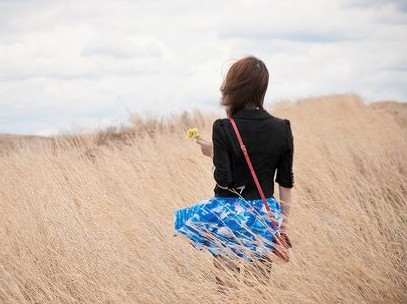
(89, 219)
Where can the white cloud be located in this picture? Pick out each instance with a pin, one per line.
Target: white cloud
(65, 63)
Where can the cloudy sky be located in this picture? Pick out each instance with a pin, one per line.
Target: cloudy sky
(68, 65)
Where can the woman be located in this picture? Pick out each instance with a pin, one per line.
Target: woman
(235, 223)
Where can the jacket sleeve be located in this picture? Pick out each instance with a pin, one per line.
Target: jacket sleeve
(221, 161)
(285, 175)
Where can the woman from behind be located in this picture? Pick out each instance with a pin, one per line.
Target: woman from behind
(244, 220)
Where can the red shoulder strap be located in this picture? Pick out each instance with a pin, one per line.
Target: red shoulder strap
(249, 163)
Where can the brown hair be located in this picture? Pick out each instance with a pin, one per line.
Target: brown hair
(245, 85)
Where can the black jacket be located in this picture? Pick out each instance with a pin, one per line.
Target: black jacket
(269, 142)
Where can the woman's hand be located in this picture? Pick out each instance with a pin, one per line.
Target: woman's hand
(206, 147)
(285, 203)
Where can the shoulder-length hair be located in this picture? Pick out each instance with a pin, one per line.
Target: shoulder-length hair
(245, 85)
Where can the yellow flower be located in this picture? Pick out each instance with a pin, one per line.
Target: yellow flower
(193, 132)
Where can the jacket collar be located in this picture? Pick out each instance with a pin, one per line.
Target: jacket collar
(252, 114)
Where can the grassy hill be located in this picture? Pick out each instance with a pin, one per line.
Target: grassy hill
(88, 218)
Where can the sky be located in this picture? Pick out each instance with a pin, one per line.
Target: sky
(67, 66)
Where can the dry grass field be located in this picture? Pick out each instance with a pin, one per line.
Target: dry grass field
(88, 218)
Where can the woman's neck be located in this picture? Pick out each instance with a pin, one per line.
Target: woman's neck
(251, 107)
